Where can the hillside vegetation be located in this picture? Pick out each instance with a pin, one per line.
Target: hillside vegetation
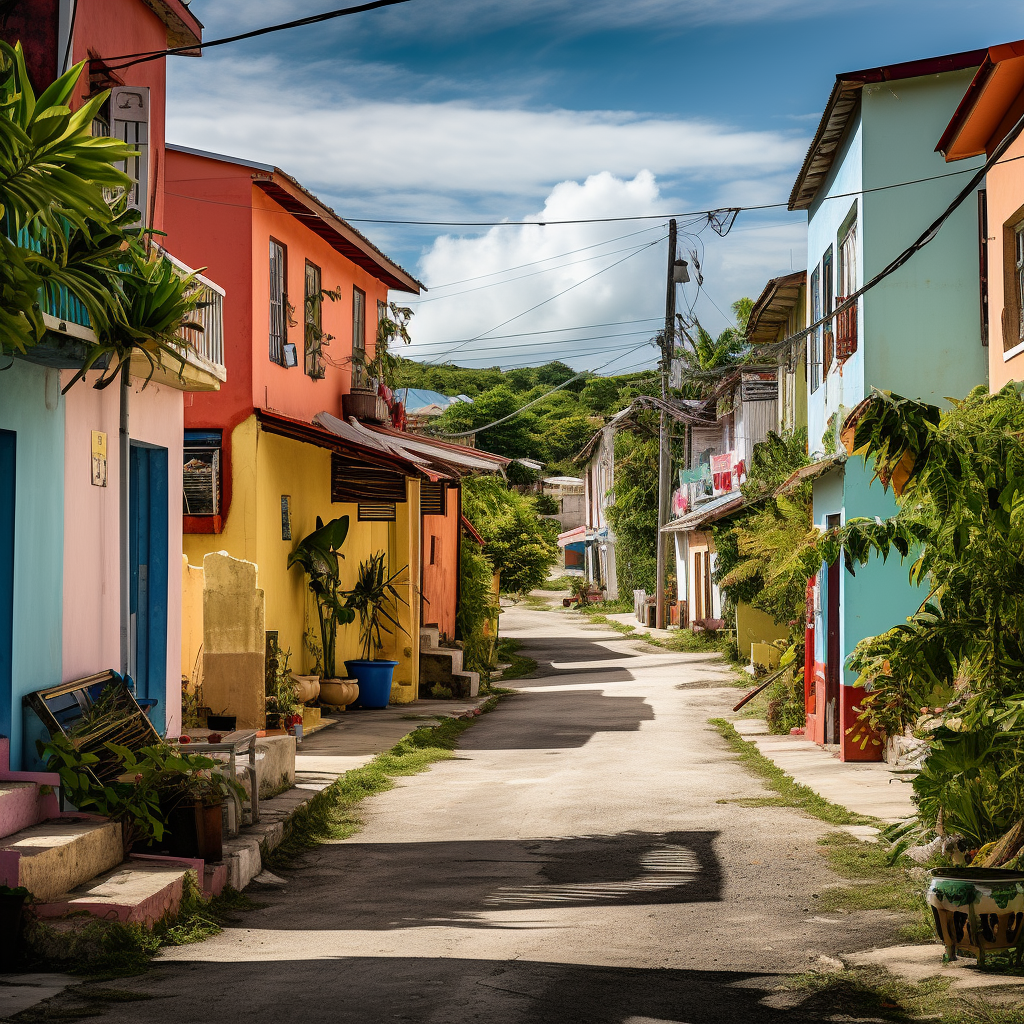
(552, 431)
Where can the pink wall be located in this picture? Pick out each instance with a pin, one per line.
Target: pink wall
(91, 554)
(1005, 193)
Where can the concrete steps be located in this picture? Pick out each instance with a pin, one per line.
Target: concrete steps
(23, 804)
(57, 855)
(443, 666)
(138, 891)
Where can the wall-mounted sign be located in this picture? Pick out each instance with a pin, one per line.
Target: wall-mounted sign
(286, 517)
(760, 386)
(99, 458)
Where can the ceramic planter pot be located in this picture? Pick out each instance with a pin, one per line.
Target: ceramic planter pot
(374, 678)
(274, 720)
(307, 688)
(195, 830)
(978, 910)
(339, 692)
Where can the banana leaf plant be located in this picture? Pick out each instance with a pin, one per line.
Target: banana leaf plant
(371, 597)
(318, 556)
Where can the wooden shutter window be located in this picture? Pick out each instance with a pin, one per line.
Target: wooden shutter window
(129, 122)
(846, 322)
(354, 481)
(358, 336)
(314, 335)
(377, 512)
(433, 499)
(278, 298)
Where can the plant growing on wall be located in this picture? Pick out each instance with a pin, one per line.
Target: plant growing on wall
(318, 556)
(373, 598)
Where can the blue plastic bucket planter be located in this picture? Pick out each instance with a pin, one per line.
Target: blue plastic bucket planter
(374, 681)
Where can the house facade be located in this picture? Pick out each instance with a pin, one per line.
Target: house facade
(61, 615)
(298, 433)
(991, 106)
(917, 333)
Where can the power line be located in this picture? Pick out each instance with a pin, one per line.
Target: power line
(533, 263)
(551, 299)
(523, 277)
(314, 19)
(512, 415)
(556, 344)
(550, 330)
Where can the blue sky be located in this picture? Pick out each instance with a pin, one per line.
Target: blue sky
(517, 109)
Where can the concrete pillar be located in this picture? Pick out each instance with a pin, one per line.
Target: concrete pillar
(234, 640)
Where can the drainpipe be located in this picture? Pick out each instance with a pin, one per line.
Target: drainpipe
(123, 536)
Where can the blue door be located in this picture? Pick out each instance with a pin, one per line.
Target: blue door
(7, 465)
(148, 548)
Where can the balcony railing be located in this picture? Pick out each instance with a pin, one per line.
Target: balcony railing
(209, 342)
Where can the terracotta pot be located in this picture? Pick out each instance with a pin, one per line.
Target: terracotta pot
(339, 692)
(978, 910)
(307, 688)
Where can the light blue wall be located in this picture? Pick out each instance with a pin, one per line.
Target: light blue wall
(922, 326)
(825, 218)
(31, 405)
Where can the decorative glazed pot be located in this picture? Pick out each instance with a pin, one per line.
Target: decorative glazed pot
(978, 910)
(339, 692)
(307, 688)
(374, 679)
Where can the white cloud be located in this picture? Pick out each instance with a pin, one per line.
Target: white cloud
(350, 144)
(631, 291)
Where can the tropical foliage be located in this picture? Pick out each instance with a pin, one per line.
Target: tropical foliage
(766, 552)
(634, 513)
(521, 547)
(375, 599)
(952, 672)
(62, 231)
(317, 555)
(476, 619)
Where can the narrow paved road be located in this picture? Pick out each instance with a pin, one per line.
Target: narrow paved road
(580, 860)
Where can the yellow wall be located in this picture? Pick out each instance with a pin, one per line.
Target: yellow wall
(755, 626)
(265, 467)
(191, 620)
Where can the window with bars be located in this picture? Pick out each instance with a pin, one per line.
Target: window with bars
(314, 334)
(358, 336)
(201, 472)
(278, 301)
(125, 116)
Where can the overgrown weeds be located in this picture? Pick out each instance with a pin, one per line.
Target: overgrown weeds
(791, 793)
(519, 666)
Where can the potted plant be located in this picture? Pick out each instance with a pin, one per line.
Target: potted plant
(317, 555)
(371, 597)
(283, 700)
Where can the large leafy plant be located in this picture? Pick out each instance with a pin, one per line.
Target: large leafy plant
(375, 599)
(318, 556)
(959, 480)
(61, 231)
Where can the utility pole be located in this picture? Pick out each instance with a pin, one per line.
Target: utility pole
(664, 463)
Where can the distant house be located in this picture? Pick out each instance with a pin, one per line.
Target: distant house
(423, 405)
(595, 539)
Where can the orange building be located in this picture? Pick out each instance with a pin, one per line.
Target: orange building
(300, 430)
(991, 107)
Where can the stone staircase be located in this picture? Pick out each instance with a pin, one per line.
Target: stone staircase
(72, 862)
(443, 666)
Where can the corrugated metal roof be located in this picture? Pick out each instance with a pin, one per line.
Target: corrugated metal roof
(811, 472)
(773, 307)
(706, 513)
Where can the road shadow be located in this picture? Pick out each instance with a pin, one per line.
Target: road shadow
(557, 719)
(321, 989)
(462, 884)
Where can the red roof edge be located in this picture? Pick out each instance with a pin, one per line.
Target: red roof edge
(471, 530)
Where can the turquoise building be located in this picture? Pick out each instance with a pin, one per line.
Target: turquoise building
(918, 333)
